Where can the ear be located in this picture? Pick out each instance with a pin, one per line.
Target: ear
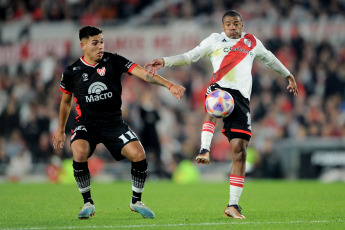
(82, 46)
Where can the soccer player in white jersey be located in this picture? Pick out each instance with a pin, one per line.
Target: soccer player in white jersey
(232, 53)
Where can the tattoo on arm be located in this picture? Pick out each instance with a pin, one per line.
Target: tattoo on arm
(152, 80)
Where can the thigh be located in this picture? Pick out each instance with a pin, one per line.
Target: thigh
(238, 123)
(82, 144)
(115, 137)
(133, 151)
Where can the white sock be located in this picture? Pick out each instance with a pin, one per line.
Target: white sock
(236, 188)
(207, 134)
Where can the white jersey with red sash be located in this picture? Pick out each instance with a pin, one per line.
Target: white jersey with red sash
(232, 60)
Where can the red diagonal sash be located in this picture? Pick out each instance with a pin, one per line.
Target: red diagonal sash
(234, 56)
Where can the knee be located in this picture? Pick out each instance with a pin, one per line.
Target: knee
(134, 151)
(240, 155)
(80, 153)
(80, 156)
(138, 155)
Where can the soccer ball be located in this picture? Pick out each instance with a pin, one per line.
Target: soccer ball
(219, 103)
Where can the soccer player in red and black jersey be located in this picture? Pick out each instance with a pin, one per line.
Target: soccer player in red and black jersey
(94, 81)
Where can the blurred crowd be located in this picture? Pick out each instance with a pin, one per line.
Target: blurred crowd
(161, 12)
(170, 129)
(87, 11)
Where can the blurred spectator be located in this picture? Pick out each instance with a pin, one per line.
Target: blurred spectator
(19, 157)
(9, 119)
(148, 133)
(4, 159)
(45, 150)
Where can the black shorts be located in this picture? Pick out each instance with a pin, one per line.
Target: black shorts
(238, 123)
(114, 135)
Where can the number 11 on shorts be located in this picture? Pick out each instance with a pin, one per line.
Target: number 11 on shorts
(129, 134)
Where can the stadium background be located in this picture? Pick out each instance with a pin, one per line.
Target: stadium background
(299, 137)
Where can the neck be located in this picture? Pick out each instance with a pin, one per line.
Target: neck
(89, 60)
(235, 37)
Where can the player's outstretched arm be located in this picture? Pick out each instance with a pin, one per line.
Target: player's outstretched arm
(176, 90)
(154, 66)
(65, 109)
(292, 87)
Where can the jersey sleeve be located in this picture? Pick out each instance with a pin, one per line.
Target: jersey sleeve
(268, 58)
(66, 84)
(204, 49)
(125, 65)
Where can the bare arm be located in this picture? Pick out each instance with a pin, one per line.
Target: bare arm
(175, 90)
(65, 109)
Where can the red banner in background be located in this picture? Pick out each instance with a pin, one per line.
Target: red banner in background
(144, 45)
(33, 51)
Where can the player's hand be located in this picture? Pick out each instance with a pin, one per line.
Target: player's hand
(154, 66)
(292, 87)
(177, 91)
(59, 139)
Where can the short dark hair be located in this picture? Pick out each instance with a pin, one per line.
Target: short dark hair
(88, 31)
(232, 13)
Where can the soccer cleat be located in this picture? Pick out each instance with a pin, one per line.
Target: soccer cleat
(234, 211)
(203, 157)
(142, 209)
(87, 211)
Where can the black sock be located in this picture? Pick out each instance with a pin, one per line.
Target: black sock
(136, 197)
(139, 174)
(87, 197)
(83, 178)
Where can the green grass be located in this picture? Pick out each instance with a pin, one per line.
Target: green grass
(266, 205)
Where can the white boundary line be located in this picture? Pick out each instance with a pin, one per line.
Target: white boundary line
(178, 225)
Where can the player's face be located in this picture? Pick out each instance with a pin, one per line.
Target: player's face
(232, 27)
(93, 48)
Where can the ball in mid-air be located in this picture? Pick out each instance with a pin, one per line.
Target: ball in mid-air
(219, 103)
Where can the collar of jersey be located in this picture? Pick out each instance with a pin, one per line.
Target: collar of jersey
(83, 61)
(230, 39)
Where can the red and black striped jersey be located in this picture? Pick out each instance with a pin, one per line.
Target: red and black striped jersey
(97, 88)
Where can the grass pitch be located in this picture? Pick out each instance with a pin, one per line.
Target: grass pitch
(266, 205)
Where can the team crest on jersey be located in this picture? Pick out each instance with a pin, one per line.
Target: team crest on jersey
(248, 42)
(101, 71)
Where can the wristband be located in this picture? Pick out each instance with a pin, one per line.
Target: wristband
(171, 86)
